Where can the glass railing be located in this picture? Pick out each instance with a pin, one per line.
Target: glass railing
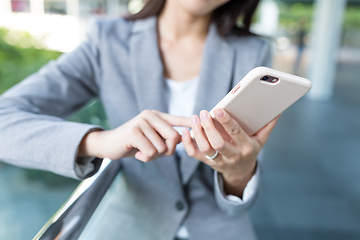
(71, 220)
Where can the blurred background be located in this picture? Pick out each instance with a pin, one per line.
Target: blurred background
(311, 182)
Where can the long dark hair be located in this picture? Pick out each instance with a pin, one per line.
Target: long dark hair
(225, 16)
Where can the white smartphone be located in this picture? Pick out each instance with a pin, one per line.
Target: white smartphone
(261, 96)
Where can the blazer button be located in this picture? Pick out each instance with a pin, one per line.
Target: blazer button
(179, 205)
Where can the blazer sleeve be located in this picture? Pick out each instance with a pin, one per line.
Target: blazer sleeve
(33, 132)
(229, 207)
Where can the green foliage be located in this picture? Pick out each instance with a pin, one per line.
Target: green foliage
(351, 30)
(22, 55)
(21, 59)
(352, 18)
(296, 16)
(92, 113)
(292, 14)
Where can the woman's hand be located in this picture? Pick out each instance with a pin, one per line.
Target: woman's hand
(236, 159)
(147, 136)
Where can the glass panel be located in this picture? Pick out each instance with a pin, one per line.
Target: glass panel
(93, 7)
(55, 6)
(20, 5)
(92, 228)
(110, 8)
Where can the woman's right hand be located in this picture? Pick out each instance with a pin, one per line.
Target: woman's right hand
(146, 137)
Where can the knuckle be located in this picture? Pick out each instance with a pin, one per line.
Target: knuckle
(248, 149)
(233, 131)
(206, 149)
(220, 164)
(145, 158)
(162, 149)
(171, 151)
(138, 120)
(134, 131)
(146, 113)
(213, 164)
(191, 153)
(141, 121)
(174, 135)
(226, 120)
(150, 153)
(171, 148)
(232, 160)
(171, 143)
(154, 111)
(219, 146)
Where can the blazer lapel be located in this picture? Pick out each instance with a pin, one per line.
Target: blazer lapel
(147, 68)
(147, 72)
(215, 82)
(149, 85)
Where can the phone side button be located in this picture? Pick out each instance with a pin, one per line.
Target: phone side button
(236, 88)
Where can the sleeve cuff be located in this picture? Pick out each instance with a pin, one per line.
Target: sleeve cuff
(233, 205)
(249, 190)
(87, 166)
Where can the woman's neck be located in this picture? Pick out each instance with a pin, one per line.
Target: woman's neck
(175, 23)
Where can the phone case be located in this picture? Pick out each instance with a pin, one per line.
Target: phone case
(254, 103)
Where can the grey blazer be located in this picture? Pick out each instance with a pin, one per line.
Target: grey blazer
(120, 63)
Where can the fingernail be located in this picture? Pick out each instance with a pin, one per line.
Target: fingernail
(204, 115)
(219, 113)
(194, 120)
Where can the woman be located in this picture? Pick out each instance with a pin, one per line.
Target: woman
(172, 59)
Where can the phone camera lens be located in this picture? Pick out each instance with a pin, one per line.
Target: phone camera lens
(265, 78)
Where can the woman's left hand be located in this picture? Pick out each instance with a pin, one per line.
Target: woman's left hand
(237, 151)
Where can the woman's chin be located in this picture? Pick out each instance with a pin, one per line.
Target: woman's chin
(201, 8)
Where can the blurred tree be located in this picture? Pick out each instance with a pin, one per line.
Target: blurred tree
(351, 31)
(295, 17)
(290, 14)
(22, 55)
(19, 57)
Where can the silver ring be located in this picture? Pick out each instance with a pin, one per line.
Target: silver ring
(212, 157)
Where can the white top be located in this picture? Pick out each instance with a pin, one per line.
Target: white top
(181, 97)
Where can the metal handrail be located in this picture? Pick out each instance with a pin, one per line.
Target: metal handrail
(70, 220)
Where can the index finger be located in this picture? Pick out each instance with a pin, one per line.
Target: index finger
(231, 126)
(175, 121)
